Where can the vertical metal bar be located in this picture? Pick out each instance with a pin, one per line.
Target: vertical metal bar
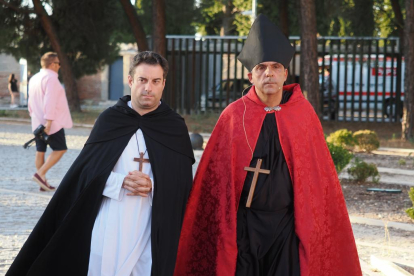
(369, 79)
(213, 88)
(346, 80)
(384, 78)
(242, 69)
(393, 99)
(193, 106)
(330, 107)
(200, 77)
(207, 73)
(376, 83)
(321, 75)
(180, 78)
(185, 96)
(234, 96)
(338, 80)
(353, 80)
(398, 86)
(228, 74)
(221, 71)
(173, 65)
(293, 73)
(361, 67)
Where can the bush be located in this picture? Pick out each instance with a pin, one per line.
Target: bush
(342, 137)
(340, 156)
(402, 162)
(410, 211)
(367, 140)
(361, 170)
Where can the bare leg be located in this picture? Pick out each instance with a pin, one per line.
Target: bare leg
(51, 160)
(39, 159)
(12, 98)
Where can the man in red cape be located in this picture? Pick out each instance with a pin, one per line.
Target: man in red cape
(297, 223)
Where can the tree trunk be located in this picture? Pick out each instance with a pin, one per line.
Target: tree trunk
(227, 25)
(400, 21)
(67, 73)
(408, 116)
(309, 56)
(158, 31)
(136, 26)
(284, 17)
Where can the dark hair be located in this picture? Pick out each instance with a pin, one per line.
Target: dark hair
(148, 57)
(11, 77)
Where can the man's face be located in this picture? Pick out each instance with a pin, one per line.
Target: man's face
(146, 85)
(268, 77)
(55, 65)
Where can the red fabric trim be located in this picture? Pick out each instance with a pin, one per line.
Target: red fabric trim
(208, 238)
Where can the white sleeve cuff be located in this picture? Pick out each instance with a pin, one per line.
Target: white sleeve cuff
(151, 195)
(113, 186)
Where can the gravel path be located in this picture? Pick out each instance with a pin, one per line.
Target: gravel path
(21, 203)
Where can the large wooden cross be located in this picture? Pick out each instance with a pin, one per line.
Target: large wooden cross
(141, 160)
(256, 171)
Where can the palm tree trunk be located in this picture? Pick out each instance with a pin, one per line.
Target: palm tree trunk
(158, 23)
(408, 116)
(309, 55)
(136, 26)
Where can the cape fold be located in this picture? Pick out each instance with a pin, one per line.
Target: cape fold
(208, 238)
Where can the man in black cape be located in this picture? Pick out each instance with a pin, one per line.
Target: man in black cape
(60, 243)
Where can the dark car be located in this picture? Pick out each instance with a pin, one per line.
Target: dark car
(233, 87)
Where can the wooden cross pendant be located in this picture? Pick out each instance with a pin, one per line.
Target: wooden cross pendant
(141, 160)
(256, 171)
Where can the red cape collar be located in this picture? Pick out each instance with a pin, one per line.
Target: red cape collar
(294, 88)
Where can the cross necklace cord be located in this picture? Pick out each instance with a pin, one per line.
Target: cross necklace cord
(141, 160)
(256, 170)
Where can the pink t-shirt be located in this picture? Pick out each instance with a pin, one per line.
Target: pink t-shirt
(47, 101)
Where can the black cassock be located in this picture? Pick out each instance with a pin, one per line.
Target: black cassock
(59, 245)
(266, 239)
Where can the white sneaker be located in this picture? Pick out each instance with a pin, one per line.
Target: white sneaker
(13, 105)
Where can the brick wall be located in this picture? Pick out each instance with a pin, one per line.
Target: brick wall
(89, 88)
(8, 65)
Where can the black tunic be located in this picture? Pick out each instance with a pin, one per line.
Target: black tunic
(266, 239)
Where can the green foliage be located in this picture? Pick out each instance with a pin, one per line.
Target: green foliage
(340, 156)
(360, 171)
(367, 140)
(410, 211)
(180, 16)
(402, 162)
(342, 137)
(85, 30)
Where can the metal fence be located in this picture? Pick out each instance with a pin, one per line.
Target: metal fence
(360, 78)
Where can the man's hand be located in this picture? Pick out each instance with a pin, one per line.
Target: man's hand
(138, 183)
(47, 126)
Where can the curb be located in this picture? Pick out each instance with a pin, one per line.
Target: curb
(382, 223)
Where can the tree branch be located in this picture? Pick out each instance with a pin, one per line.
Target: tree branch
(17, 9)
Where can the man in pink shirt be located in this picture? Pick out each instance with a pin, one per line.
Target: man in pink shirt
(48, 106)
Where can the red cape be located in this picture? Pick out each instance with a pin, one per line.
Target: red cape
(208, 237)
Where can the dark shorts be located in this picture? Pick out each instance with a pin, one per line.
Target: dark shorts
(56, 142)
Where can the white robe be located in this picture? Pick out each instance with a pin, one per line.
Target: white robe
(121, 236)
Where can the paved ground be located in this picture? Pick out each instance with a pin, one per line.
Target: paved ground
(21, 203)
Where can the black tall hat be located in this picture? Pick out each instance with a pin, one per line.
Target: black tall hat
(265, 42)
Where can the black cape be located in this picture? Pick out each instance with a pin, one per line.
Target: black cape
(60, 242)
(266, 239)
